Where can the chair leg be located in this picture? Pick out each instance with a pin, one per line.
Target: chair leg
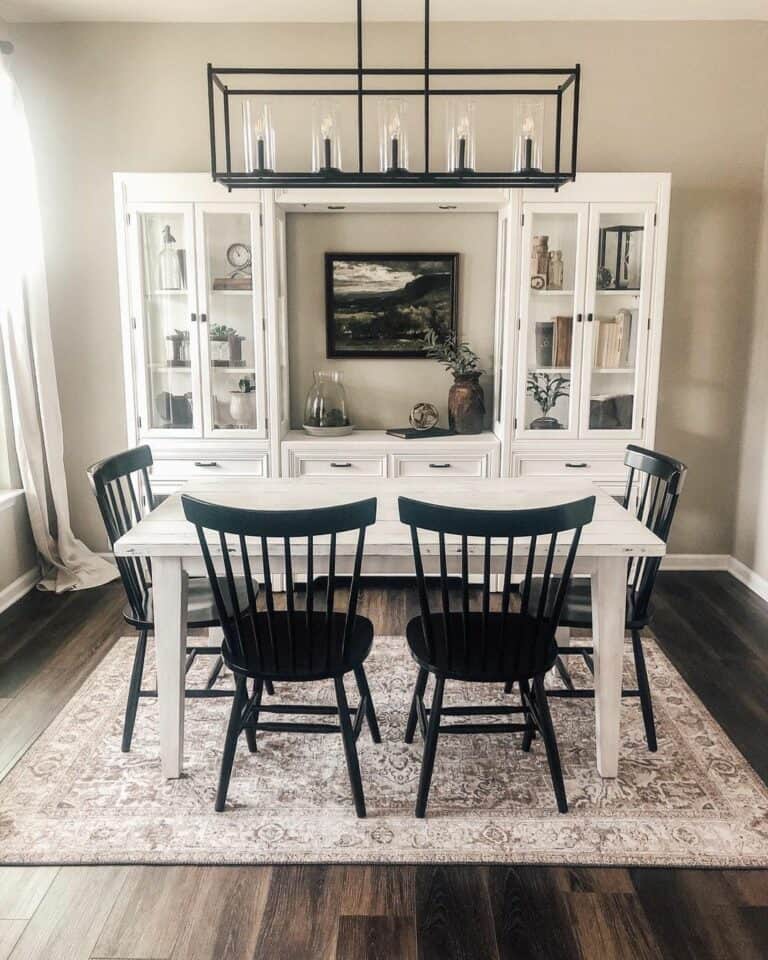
(418, 693)
(643, 686)
(269, 688)
(525, 693)
(350, 748)
(253, 716)
(550, 742)
(134, 689)
(562, 672)
(213, 673)
(430, 748)
(508, 686)
(230, 743)
(370, 711)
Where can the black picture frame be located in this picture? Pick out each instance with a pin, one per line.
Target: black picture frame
(380, 346)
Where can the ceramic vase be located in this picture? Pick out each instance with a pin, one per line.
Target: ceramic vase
(466, 404)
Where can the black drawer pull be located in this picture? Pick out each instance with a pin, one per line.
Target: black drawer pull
(341, 464)
(577, 466)
(579, 317)
(203, 318)
(206, 463)
(439, 466)
(589, 318)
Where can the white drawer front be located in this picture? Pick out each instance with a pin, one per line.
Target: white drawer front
(339, 466)
(203, 467)
(437, 467)
(574, 466)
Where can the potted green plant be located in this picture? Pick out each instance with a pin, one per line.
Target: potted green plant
(241, 403)
(466, 400)
(179, 341)
(546, 390)
(232, 356)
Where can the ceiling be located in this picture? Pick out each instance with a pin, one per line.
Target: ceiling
(241, 11)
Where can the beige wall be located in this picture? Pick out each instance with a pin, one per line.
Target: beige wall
(751, 536)
(381, 393)
(683, 97)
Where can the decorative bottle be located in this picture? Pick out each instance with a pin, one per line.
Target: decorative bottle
(170, 276)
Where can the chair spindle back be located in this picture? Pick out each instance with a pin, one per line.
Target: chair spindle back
(282, 538)
(521, 638)
(661, 480)
(123, 492)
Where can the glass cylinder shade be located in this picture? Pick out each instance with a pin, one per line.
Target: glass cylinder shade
(326, 404)
(326, 137)
(258, 137)
(393, 136)
(529, 136)
(460, 129)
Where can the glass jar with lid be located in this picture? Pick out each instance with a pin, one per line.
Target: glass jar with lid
(325, 411)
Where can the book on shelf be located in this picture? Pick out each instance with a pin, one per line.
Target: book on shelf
(411, 433)
(612, 341)
(545, 342)
(563, 336)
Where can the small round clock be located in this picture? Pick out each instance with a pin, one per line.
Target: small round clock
(239, 255)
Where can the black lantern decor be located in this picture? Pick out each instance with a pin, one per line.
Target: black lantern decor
(619, 257)
(549, 97)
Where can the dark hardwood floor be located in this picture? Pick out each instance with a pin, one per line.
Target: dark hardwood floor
(713, 629)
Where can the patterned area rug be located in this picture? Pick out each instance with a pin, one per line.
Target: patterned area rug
(75, 798)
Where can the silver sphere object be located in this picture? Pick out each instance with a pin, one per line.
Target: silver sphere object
(423, 416)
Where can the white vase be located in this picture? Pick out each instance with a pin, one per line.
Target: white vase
(241, 408)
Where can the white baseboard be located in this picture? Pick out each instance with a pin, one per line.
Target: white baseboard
(748, 577)
(696, 561)
(19, 588)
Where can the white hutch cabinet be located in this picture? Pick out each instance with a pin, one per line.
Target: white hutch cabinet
(577, 329)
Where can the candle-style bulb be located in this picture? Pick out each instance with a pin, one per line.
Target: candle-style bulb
(326, 127)
(394, 126)
(529, 127)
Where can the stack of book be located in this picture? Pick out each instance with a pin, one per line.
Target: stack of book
(553, 342)
(612, 341)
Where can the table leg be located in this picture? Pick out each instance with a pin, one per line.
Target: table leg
(609, 592)
(169, 592)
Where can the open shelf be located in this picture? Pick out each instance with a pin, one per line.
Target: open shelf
(634, 292)
(551, 293)
(613, 369)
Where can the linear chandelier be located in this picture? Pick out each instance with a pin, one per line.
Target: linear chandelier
(534, 124)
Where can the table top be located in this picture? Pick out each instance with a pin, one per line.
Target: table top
(613, 531)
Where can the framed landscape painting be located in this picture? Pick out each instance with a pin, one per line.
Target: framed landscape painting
(382, 304)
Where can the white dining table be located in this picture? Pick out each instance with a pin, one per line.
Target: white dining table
(607, 544)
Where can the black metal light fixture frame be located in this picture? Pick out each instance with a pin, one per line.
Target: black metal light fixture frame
(561, 79)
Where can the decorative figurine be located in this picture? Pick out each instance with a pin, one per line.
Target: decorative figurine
(555, 270)
(424, 416)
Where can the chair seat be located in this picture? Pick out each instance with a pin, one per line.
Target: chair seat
(201, 606)
(577, 609)
(510, 655)
(310, 648)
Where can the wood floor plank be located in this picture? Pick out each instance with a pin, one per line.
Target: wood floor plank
(382, 890)
(451, 902)
(707, 922)
(530, 914)
(593, 879)
(376, 938)
(226, 914)
(749, 886)
(611, 926)
(301, 913)
(22, 889)
(10, 931)
(67, 923)
(153, 908)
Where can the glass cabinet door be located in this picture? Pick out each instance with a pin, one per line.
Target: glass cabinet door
(618, 307)
(231, 331)
(552, 276)
(166, 328)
